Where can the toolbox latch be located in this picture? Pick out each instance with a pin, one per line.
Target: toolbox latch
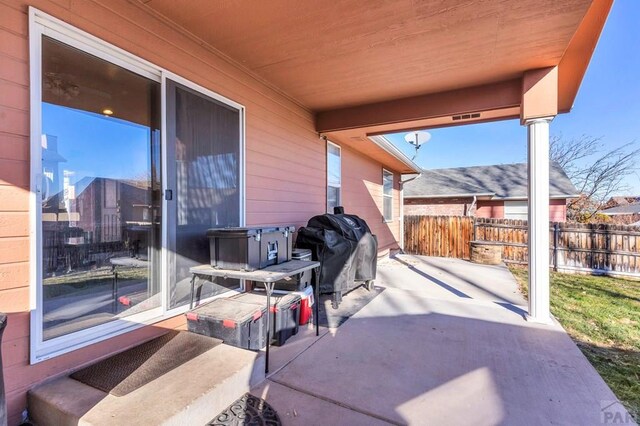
(272, 250)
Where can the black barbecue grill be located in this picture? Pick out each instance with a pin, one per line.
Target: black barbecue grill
(346, 249)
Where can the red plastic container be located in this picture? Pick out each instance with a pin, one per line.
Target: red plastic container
(306, 305)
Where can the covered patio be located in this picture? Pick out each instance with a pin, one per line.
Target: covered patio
(438, 64)
(295, 80)
(443, 343)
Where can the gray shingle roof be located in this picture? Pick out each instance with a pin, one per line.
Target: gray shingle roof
(500, 181)
(626, 209)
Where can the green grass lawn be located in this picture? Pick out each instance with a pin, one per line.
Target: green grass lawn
(602, 315)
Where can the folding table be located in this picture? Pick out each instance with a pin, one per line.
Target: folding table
(268, 276)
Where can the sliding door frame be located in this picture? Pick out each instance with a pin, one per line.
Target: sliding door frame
(42, 24)
(166, 252)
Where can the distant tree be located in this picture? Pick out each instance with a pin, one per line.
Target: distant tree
(596, 172)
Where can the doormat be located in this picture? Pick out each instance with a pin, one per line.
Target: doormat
(351, 303)
(129, 370)
(247, 411)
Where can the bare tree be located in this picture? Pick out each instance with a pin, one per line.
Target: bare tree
(596, 172)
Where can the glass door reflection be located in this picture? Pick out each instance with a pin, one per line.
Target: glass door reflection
(101, 188)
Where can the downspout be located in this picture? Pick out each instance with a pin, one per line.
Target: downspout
(402, 182)
(473, 204)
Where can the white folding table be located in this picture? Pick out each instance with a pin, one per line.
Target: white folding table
(268, 276)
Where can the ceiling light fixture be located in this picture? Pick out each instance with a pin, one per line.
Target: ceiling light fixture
(107, 112)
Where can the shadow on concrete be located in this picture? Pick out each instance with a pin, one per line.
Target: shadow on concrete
(438, 368)
(433, 279)
(457, 275)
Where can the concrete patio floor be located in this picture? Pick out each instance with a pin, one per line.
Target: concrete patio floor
(444, 343)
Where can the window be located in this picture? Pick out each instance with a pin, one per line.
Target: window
(516, 210)
(126, 186)
(334, 176)
(387, 195)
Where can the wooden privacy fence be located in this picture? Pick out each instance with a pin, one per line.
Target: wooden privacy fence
(595, 248)
(443, 236)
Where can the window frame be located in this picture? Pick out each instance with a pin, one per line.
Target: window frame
(329, 143)
(42, 24)
(390, 196)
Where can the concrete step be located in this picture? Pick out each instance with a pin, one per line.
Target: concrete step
(193, 394)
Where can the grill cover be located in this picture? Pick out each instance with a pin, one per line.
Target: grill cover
(344, 246)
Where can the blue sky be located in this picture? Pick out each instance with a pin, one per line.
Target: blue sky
(607, 106)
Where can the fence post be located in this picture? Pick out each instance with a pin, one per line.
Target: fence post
(556, 237)
(473, 223)
(607, 256)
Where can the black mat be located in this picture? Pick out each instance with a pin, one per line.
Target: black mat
(351, 303)
(248, 410)
(127, 371)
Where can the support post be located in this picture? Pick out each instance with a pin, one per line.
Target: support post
(538, 188)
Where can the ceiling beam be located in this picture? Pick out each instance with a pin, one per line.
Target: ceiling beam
(505, 94)
(539, 94)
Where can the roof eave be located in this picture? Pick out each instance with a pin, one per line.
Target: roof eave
(391, 149)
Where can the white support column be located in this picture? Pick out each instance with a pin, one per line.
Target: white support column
(538, 159)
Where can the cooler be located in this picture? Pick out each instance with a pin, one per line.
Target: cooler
(235, 323)
(306, 305)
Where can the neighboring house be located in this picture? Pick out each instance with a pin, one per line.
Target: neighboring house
(234, 113)
(624, 214)
(621, 200)
(497, 191)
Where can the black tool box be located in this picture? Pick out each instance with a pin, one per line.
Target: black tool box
(248, 249)
(285, 312)
(235, 323)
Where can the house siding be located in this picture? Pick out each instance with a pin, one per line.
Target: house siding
(285, 163)
(362, 196)
(495, 210)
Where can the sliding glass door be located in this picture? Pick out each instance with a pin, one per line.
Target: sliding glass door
(203, 182)
(100, 195)
(130, 166)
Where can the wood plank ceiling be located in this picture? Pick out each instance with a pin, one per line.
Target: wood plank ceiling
(331, 55)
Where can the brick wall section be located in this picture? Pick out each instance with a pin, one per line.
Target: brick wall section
(285, 162)
(489, 209)
(438, 206)
(558, 210)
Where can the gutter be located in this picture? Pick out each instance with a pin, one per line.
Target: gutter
(551, 197)
(391, 149)
(487, 194)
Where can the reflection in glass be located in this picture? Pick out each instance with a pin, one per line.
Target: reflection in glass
(387, 190)
(334, 177)
(203, 149)
(100, 191)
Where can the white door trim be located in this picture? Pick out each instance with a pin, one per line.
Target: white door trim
(40, 24)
